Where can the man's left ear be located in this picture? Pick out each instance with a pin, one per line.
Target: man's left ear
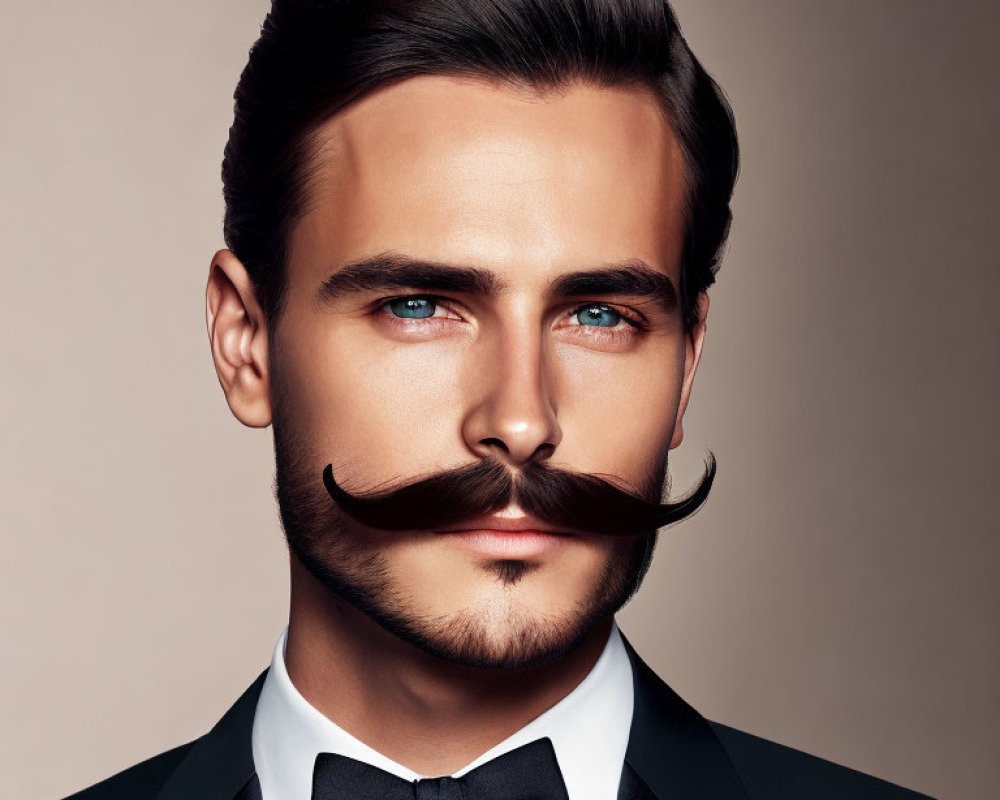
(693, 341)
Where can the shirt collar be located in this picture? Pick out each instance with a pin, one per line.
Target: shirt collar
(288, 733)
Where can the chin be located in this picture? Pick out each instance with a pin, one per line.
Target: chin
(505, 633)
(519, 617)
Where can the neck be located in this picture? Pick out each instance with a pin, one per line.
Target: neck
(429, 715)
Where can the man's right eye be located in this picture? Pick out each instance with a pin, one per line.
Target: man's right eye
(411, 307)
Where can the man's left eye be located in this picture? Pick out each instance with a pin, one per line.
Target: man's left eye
(599, 316)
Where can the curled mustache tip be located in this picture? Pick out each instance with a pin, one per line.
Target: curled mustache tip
(329, 483)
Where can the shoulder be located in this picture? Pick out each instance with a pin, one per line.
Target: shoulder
(773, 771)
(222, 759)
(671, 741)
(140, 782)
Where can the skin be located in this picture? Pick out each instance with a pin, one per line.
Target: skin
(529, 185)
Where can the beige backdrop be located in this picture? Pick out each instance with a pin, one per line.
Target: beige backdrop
(839, 593)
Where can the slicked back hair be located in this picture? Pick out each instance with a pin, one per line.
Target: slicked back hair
(315, 57)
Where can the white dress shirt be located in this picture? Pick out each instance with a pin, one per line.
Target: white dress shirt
(589, 729)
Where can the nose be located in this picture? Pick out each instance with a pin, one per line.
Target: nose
(512, 417)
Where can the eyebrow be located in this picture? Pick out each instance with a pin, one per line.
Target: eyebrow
(393, 271)
(390, 271)
(633, 278)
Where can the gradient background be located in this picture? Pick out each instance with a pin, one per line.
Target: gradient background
(840, 591)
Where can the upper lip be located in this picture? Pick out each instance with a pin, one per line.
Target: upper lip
(492, 522)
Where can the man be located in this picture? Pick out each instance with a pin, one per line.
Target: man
(469, 250)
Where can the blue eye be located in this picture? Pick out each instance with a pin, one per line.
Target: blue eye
(412, 307)
(598, 316)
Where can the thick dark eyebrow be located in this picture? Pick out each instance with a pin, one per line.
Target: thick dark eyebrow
(634, 278)
(390, 271)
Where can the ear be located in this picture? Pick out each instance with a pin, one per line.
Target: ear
(693, 341)
(237, 333)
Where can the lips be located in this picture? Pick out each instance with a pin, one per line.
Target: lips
(510, 520)
(507, 545)
(509, 534)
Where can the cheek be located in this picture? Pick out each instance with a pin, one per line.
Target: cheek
(618, 413)
(381, 410)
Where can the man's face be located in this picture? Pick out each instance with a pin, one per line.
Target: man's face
(394, 383)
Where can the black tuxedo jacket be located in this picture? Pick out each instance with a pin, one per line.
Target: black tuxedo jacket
(673, 754)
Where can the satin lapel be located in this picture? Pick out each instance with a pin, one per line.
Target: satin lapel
(671, 748)
(220, 764)
(632, 787)
(251, 791)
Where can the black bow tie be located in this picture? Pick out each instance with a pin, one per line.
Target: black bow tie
(527, 773)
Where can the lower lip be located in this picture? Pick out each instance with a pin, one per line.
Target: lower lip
(507, 544)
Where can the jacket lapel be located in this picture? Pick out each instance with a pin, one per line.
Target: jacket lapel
(220, 763)
(632, 787)
(251, 791)
(672, 752)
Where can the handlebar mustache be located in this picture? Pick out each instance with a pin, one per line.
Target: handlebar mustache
(564, 499)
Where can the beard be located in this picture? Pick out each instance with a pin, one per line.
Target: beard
(339, 553)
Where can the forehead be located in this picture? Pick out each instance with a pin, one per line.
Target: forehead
(512, 179)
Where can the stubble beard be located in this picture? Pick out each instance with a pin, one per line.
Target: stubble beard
(502, 634)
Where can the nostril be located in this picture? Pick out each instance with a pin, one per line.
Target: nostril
(495, 442)
(543, 451)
